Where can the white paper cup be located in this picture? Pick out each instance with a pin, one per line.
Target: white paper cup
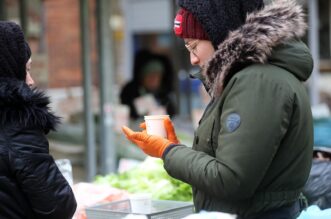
(141, 203)
(155, 125)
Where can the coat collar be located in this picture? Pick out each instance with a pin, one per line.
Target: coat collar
(24, 106)
(278, 22)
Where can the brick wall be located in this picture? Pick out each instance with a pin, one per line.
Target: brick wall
(63, 42)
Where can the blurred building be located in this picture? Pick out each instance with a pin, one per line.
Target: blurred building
(53, 31)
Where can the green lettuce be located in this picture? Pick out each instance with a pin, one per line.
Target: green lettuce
(149, 177)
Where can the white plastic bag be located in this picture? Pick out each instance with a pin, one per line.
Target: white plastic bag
(65, 167)
(314, 212)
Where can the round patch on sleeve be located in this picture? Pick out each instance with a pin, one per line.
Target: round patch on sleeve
(233, 122)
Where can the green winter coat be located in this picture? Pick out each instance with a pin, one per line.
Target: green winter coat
(252, 150)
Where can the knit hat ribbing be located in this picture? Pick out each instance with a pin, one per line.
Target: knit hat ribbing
(219, 17)
(14, 51)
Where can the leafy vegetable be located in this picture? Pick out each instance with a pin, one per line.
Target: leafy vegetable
(149, 177)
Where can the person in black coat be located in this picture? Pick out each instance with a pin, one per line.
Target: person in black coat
(152, 77)
(31, 185)
(318, 189)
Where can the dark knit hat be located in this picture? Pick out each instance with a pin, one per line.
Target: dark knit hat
(187, 26)
(14, 51)
(219, 17)
(152, 67)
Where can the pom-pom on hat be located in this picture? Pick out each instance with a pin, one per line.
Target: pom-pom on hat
(187, 26)
(217, 17)
(14, 51)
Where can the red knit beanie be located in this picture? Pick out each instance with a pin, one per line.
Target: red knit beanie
(186, 26)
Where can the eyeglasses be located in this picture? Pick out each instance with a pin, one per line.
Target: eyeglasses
(192, 46)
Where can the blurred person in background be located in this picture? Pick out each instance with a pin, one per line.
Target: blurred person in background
(31, 185)
(150, 91)
(318, 187)
(251, 153)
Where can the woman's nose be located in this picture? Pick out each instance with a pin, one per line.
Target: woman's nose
(29, 80)
(194, 59)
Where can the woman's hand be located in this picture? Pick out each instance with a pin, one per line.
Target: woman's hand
(170, 130)
(151, 144)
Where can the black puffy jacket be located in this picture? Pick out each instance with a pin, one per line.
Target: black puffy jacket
(318, 188)
(31, 185)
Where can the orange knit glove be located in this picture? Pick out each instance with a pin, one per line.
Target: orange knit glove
(151, 144)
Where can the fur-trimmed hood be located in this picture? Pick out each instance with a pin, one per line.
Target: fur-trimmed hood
(255, 42)
(24, 106)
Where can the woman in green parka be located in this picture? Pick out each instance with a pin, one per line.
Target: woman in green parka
(252, 151)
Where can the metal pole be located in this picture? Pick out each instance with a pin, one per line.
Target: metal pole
(90, 151)
(3, 14)
(42, 41)
(128, 44)
(313, 37)
(23, 15)
(330, 25)
(106, 70)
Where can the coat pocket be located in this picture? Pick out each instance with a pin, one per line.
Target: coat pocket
(203, 140)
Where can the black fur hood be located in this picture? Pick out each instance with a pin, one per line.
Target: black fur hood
(254, 42)
(24, 106)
